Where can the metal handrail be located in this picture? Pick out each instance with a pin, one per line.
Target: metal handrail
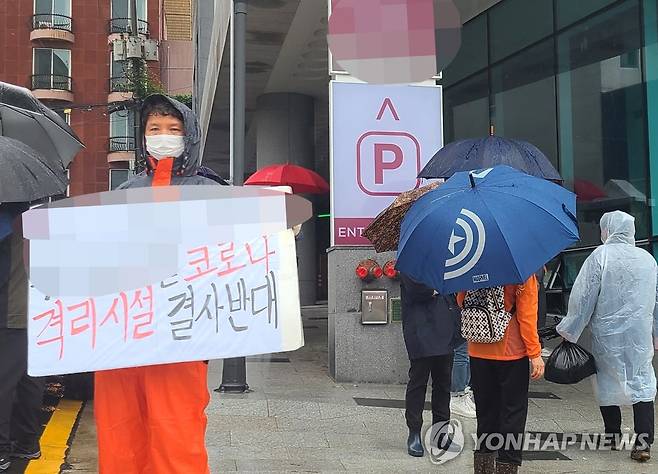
(52, 81)
(52, 21)
(120, 84)
(118, 144)
(124, 25)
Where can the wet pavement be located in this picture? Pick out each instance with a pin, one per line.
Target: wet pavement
(297, 419)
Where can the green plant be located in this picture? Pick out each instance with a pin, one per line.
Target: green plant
(184, 99)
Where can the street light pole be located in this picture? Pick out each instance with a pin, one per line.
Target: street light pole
(234, 372)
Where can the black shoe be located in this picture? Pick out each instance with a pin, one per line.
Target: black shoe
(5, 463)
(415, 445)
(19, 452)
(641, 455)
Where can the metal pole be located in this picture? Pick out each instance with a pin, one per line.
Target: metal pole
(240, 71)
(234, 373)
(137, 74)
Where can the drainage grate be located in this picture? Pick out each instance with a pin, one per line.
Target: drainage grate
(543, 435)
(383, 403)
(545, 456)
(543, 395)
(393, 403)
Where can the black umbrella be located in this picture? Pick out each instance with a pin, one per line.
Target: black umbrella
(24, 118)
(26, 175)
(481, 153)
(210, 174)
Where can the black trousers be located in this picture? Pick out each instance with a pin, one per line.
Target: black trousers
(21, 396)
(441, 369)
(500, 389)
(643, 421)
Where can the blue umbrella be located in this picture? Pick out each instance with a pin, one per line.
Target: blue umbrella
(482, 229)
(481, 153)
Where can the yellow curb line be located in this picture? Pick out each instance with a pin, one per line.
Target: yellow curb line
(54, 440)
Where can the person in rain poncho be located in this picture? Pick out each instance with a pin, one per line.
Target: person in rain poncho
(615, 295)
(152, 419)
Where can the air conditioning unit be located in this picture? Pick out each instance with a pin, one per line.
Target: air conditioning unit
(151, 50)
(119, 50)
(133, 48)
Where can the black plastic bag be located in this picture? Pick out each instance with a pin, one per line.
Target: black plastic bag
(569, 363)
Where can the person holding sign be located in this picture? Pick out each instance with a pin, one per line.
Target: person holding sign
(152, 419)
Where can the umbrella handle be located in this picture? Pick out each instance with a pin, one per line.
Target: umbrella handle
(568, 213)
(470, 176)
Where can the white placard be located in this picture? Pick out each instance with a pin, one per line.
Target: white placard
(229, 299)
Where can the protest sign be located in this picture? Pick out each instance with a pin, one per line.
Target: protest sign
(226, 298)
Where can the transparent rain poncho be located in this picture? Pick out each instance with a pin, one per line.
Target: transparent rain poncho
(615, 294)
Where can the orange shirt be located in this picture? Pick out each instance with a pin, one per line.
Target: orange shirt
(521, 338)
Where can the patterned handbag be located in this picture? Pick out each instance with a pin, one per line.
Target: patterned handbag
(484, 318)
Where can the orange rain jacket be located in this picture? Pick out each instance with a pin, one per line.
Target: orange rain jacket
(151, 420)
(521, 338)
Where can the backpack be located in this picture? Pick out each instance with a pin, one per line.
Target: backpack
(484, 318)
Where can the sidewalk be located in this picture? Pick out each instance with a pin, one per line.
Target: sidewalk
(298, 420)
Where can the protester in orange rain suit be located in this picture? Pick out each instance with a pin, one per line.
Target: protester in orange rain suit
(500, 375)
(151, 420)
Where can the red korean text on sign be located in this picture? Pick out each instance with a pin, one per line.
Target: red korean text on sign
(83, 318)
(55, 320)
(201, 265)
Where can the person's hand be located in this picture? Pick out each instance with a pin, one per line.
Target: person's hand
(537, 368)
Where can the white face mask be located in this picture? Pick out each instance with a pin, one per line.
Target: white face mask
(165, 146)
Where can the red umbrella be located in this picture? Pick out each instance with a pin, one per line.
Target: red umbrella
(300, 179)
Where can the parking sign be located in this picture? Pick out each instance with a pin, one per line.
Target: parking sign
(381, 137)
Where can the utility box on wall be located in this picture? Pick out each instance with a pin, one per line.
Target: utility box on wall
(374, 307)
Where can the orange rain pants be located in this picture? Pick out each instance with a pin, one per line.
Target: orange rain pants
(151, 420)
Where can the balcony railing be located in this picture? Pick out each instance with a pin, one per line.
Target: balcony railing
(119, 144)
(52, 21)
(120, 84)
(124, 25)
(52, 81)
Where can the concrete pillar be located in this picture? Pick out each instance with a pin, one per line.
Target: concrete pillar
(285, 134)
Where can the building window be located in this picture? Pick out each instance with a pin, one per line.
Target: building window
(118, 177)
(532, 20)
(122, 131)
(602, 114)
(118, 75)
(472, 56)
(55, 14)
(570, 11)
(523, 98)
(466, 108)
(122, 15)
(51, 69)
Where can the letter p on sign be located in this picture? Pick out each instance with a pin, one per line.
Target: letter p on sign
(381, 164)
(387, 163)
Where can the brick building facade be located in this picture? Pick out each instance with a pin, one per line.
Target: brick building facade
(60, 49)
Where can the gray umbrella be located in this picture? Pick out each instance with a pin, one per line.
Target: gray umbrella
(24, 118)
(26, 175)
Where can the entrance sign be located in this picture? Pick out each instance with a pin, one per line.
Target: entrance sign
(381, 138)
